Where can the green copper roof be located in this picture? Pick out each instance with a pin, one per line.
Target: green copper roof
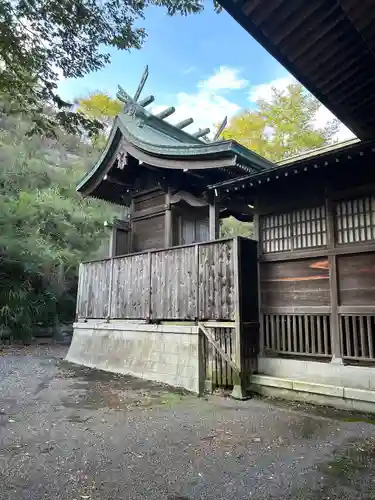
(152, 135)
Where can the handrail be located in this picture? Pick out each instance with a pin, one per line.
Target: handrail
(166, 249)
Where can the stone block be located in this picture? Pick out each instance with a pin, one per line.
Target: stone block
(359, 394)
(328, 390)
(272, 381)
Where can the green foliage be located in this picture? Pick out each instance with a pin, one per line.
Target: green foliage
(232, 227)
(42, 40)
(46, 229)
(279, 127)
(101, 107)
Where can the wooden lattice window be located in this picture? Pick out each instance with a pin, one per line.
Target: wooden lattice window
(300, 229)
(355, 220)
(297, 334)
(358, 337)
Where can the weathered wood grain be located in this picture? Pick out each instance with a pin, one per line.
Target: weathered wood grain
(216, 281)
(358, 337)
(130, 287)
(149, 200)
(174, 284)
(295, 283)
(297, 335)
(148, 234)
(356, 279)
(93, 290)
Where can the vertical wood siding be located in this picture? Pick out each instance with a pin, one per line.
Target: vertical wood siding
(174, 284)
(93, 290)
(185, 283)
(131, 287)
(217, 370)
(216, 281)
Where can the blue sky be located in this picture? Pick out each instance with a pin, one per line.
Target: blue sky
(205, 65)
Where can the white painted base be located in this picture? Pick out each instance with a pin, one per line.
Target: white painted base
(326, 383)
(327, 373)
(162, 353)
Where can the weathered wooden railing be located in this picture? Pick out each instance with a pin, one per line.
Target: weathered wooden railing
(297, 335)
(213, 284)
(358, 337)
(188, 283)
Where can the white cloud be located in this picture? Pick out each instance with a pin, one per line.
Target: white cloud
(264, 90)
(207, 106)
(323, 116)
(189, 70)
(224, 78)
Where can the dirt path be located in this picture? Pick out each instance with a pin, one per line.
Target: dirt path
(70, 433)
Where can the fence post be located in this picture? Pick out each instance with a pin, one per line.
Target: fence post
(239, 389)
(110, 291)
(149, 287)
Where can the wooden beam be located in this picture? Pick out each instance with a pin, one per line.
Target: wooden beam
(257, 237)
(168, 229)
(333, 285)
(189, 198)
(118, 224)
(113, 242)
(214, 221)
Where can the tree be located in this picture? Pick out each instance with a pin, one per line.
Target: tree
(282, 125)
(100, 106)
(279, 127)
(41, 40)
(44, 225)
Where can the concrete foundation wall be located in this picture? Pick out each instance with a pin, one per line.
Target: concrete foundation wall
(163, 353)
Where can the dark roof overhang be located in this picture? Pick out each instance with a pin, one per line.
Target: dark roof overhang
(329, 46)
(314, 161)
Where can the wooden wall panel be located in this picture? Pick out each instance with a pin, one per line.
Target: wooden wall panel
(356, 279)
(149, 200)
(93, 290)
(148, 233)
(174, 284)
(131, 287)
(216, 281)
(191, 225)
(248, 279)
(122, 242)
(295, 283)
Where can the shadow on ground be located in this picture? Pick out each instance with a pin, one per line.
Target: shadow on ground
(94, 389)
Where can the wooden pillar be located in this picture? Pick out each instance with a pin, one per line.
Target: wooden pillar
(213, 220)
(168, 228)
(257, 238)
(113, 242)
(333, 285)
(239, 389)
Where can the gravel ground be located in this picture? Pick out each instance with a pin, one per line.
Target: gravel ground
(69, 433)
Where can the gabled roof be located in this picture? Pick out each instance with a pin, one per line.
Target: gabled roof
(329, 46)
(155, 143)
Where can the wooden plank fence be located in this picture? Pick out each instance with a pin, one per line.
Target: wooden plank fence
(188, 283)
